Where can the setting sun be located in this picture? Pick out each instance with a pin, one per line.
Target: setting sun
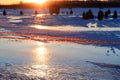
(36, 1)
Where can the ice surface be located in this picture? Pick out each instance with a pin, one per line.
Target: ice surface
(77, 50)
(59, 60)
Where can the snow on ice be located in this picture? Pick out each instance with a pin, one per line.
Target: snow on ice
(104, 34)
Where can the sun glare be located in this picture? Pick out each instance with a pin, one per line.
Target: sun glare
(37, 1)
(40, 53)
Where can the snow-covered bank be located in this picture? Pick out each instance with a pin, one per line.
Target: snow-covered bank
(64, 33)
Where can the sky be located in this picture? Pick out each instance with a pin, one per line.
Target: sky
(18, 1)
(9, 1)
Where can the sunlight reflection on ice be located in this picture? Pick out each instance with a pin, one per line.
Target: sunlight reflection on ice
(39, 27)
(72, 28)
(41, 53)
(40, 15)
(14, 19)
(57, 60)
(40, 60)
(37, 70)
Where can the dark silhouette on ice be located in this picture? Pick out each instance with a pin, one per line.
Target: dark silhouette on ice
(4, 12)
(115, 15)
(106, 14)
(100, 15)
(36, 13)
(21, 13)
(108, 11)
(71, 11)
(88, 15)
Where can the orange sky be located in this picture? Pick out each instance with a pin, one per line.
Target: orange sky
(18, 1)
(9, 1)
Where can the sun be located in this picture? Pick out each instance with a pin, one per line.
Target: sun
(37, 1)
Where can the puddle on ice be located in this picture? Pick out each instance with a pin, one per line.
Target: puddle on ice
(56, 52)
(28, 59)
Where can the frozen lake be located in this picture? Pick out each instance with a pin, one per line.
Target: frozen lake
(58, 60)
(59, 47)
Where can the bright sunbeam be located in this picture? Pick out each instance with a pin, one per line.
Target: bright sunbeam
(36, 1)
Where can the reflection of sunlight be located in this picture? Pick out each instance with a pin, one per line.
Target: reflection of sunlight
(40, 15)
(92, 27)
(39, 70)
(41, 53)
(39, 27)
(40, 59)
(59, 28)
